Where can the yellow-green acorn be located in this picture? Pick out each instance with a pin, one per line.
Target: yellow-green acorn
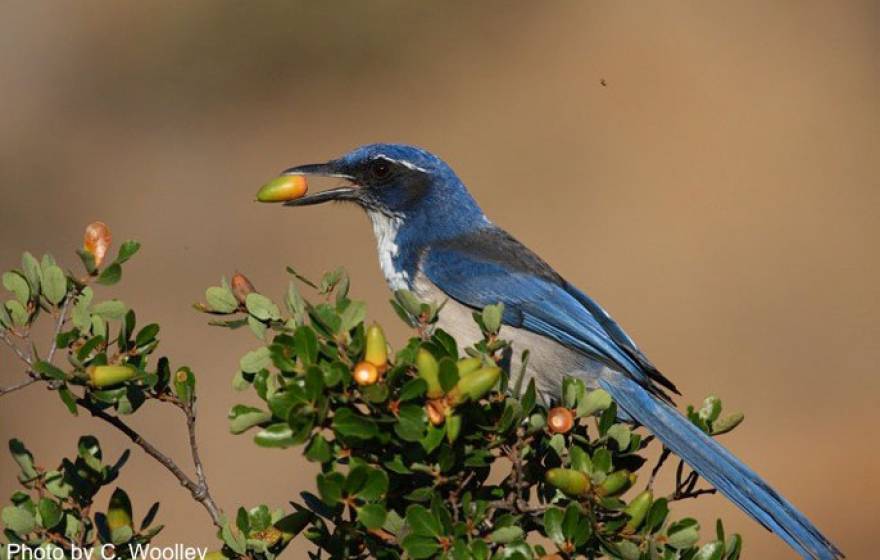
(283, 188)
(429, 370)
(215, 555)
(569, 481)
(468, 365)
(104, 376)
(616, 483)
(638, 509)
(453, 427)
(724, 425)
(377, 348)
(119, 511)
(474, 385)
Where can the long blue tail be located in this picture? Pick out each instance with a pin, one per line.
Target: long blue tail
(719, 466)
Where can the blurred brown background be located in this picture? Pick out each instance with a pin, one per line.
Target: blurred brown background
(719, 195)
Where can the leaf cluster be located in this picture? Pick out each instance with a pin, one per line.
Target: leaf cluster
(473, 483)
(57, 509)
(442, 452)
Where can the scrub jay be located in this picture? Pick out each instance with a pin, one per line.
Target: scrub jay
(434, 240)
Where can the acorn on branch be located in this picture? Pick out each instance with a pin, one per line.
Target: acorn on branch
(560, 420)
(429, 370)
(377, 348)
(616, 483)
(637, 509)
(107, 375)
(570, 481)
(474, 385)
(365, 373)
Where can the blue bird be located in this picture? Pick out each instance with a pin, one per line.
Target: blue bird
(434, 240)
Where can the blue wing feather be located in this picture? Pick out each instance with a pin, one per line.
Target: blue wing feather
(534, 297)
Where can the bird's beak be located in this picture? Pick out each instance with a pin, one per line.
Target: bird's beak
(329, 169)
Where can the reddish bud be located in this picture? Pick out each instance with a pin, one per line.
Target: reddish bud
(97, 241)
(241, 287)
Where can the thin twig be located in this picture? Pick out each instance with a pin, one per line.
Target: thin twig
(685, 485)
(199, 493)
(691, 494)
(17, 386)
(204, 494)
(4, 336)
(59, 324)
(663, 456)
(32, 377)
(456, 492)
(198, 488)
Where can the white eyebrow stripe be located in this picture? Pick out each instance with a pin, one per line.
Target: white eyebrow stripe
(402, 162)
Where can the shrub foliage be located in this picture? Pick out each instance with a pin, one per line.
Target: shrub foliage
(433, 451)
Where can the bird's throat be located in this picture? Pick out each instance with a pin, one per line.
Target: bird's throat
(385, 228)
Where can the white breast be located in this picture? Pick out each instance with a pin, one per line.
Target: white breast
(385, 228)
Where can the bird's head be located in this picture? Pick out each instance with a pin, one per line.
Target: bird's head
(395, 180)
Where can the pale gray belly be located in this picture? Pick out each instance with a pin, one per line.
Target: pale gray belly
(548, 362)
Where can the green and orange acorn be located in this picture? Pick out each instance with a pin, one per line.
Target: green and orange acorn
(283, 188)
(375, 362)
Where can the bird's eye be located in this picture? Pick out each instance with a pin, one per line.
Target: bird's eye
(380, 169)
